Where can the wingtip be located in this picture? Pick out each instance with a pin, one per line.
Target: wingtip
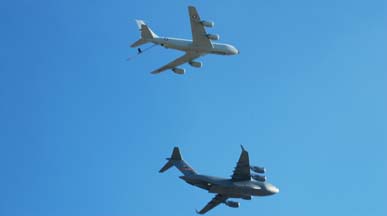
(197, 212)
(192, 9)
(243, 149)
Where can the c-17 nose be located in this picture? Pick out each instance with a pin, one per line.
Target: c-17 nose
(273, 189)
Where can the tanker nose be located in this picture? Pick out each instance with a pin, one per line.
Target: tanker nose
(232, 50)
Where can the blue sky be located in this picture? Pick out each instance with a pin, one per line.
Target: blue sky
(84, 132)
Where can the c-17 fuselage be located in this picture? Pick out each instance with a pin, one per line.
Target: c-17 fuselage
(242, 184)
(242, 189)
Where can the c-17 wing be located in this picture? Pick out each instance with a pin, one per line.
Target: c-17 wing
(242, 170)
(188, 56)
(199, 34)
(213, 203)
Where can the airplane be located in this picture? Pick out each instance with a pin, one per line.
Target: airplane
(200, 45)
(242, 184)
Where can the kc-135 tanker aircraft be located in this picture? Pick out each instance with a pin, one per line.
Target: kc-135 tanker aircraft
(200, 45)
(242, 184)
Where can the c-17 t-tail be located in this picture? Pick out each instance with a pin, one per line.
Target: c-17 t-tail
(177, 161)
(243, 184)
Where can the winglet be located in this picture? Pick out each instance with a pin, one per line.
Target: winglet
(243, 149)
(199, 212)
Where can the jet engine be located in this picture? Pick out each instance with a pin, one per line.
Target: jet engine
(232, 204)
(258, 169)
(179, 71)
(208, 24)
(259, 178)
(213, 36)
(196, 64)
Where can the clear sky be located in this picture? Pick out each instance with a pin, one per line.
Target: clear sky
(84, 132)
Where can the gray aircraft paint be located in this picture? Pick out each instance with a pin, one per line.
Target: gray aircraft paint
(224, 187)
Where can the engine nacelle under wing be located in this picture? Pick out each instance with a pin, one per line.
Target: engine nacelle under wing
(179, 71)
(232, 204)
(208, 24)
(213, 36)
(195, 64)
(258, 169)
(259, 178)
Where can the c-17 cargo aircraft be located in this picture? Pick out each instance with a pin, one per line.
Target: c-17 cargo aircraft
(200, 45)
(242, 184)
